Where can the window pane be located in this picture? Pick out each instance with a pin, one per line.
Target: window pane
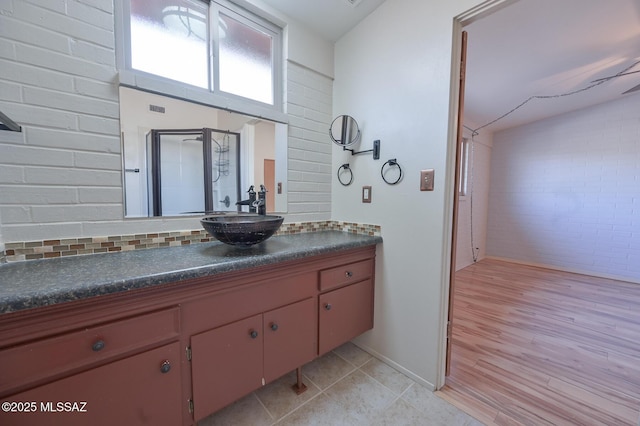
(245, 59)
(464, 167)
(169, 39)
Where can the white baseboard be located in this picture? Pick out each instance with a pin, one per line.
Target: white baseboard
(571, 270)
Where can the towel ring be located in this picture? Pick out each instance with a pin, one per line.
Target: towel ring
(391, 163)
(346, 167)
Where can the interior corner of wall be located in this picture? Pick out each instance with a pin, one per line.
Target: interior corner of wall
(310, 50)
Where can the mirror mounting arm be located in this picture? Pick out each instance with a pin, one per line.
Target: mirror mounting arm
(375, 150)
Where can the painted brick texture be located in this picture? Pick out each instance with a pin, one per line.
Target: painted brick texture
(61, 176)
(58, 62)
(309, 105)
(565, 191)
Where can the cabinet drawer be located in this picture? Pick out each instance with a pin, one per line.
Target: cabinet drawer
(237, 303)
(345, 274)
(55, 356)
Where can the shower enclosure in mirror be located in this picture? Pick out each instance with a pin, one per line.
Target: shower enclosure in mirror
(193, 171)
(182, 157)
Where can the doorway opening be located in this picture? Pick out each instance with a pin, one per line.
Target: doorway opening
(509, 312)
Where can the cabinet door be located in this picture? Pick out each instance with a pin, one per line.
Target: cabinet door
(344, 314)
(226, 364)
(139, 390)
(289, 338)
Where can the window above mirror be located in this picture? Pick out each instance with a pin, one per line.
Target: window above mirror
(170, 39)
(214, 46)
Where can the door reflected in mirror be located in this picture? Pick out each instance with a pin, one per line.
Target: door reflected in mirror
(182, 158)
(192, 171)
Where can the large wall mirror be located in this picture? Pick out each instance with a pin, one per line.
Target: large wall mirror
(182, 158)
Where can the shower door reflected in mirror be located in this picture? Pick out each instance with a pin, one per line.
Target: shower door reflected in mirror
(261, 140)
(193, 171)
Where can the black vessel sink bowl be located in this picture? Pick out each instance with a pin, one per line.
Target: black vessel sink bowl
(241, 229)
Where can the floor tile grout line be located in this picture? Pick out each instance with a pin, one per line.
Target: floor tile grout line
(300, 406)
(413, 382)
(264, 406)
(338, 380)
(305, 379)
(358, 348)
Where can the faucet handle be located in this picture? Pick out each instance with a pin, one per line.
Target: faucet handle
(250, 189)
(263, 189)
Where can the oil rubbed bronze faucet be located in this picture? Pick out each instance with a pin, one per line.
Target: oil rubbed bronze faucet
(256, 205)
(261, 202)
(251, 201)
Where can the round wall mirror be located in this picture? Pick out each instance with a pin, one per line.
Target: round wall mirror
(344, 130)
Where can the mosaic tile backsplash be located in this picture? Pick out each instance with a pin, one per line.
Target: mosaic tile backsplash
(30, 250)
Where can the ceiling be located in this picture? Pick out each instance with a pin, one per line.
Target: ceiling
(549, 47)
(529, 48)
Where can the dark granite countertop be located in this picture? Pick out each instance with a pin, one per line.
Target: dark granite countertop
(36, 283)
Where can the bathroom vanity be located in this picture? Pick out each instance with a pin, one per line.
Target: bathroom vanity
(176, 343)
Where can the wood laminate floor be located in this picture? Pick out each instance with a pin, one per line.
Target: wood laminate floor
(541, 347)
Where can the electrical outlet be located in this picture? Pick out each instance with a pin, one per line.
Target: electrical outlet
(366, 194)
(426, 180)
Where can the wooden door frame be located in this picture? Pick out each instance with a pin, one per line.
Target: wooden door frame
(455, 126)
(456, 197)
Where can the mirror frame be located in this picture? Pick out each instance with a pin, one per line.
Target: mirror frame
(281, 154)
(346, 125)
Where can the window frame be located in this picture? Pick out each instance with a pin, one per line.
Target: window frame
(256, 23)
(129, 77)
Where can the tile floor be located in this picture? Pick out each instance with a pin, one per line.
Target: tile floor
(345, 387)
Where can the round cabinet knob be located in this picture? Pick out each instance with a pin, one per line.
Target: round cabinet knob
(327, 306)
(274, 326)
(98, 346)
(348, 274)
(165, 367)
(253, 334)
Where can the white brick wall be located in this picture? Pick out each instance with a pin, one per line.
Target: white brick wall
(309, 100)
(61, 176)
(57, 64)
(565, 191)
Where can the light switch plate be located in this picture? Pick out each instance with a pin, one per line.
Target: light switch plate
(426, 180)
(366, 194)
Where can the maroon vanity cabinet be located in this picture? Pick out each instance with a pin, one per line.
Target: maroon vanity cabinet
(108, 371)
(174, 353)
(345, 303)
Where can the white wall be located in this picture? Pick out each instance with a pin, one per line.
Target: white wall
(393, 74)
(565, 191)
(61, 177)
(474, 206)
